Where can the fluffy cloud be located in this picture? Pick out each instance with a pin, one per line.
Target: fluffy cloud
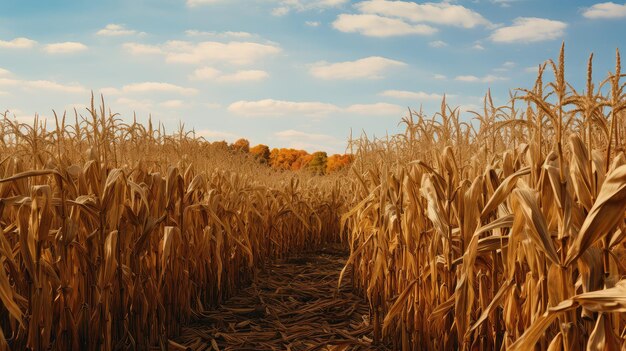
(116, 30)
(312, 23)
(217, 135)
(486, 79)
(67, 47)
(528, 30)
(46, 85)
(285, 6)
(142, 49)
(17, 43)
(411, 95)
(379, 26)
(299, 135)
(244, 76)
(194, 3)
(378, 109)
(606, 10)
(150, 87)
(234, 52)
(278, 108)
(228, 34)
(4, 72)
(210, 73)
(173, 104)
(444, 13)
(271, 107)
(438, 44)
(371, 67)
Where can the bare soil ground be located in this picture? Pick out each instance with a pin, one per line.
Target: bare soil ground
(291, 305)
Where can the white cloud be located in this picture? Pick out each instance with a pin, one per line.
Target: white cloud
(142, 49)
(478, 47)
(173, 104)
(379, 26)
(194, 3)
(486, 79)
(280, 11)
(271, 107)
(135, 104)
(244, 76)
(205, 73)
(312, 23)
(503, 3)
(606, 10)
(411, 95)
(116, 30)
(43, 85)
(440, 77)
(234, 52)
(149, 87)
(379, 109)
(210, 73)
(309, 141)
(438, 44)
(216, 135)
(157, 87)
(228, 34)
(4, 72)
(371, 67)
(532, 69)
(17, 43)
(285, 6)
(444, 13)
(505, 66)
(528, 30)
(279, 108)
(67, 47)
(299, 135)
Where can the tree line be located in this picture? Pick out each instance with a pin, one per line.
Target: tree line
(290, 159)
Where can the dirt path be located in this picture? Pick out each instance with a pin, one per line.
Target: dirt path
(292, 305)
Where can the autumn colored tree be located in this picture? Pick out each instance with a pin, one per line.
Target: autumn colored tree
(337, 162)
(286, 158)
(241, 145)
(318, 162)
(301, 162)
(261, 153)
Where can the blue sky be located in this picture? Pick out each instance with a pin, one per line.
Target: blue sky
(289, 73)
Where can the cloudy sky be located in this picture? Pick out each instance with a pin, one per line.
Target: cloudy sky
(289, 73)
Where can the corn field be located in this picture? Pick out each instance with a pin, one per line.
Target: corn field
(505, 232)
(117, 246)
(508, 236)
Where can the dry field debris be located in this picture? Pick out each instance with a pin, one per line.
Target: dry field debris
(292, 304)
(502, 233)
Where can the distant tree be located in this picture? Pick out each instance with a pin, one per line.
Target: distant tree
(337, 162)
(286, 158)
(261, 153)
(302, 161)
(318, 162)
(241, 145)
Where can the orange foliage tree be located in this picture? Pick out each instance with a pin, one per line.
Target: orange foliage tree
(287, 159)
(241, 145)
(337, 162)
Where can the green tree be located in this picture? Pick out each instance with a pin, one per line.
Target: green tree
(318, 162)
